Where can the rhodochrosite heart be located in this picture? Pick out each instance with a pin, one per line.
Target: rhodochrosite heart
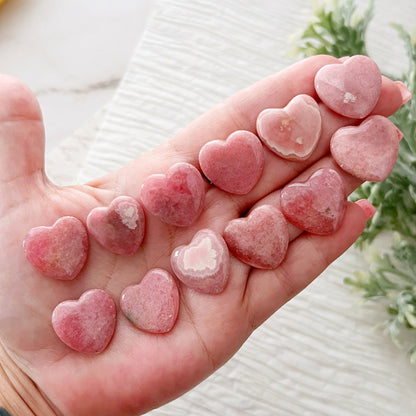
(204, 264)
(153, 304)
(291, 132)
(59, 251)
(317, 205)
(261, 239)
(176, 198)
(119, 228)
(351, 88)
(368, 151)
(88, 324)
(234, 165)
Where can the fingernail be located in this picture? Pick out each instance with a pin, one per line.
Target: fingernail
(404, 91)
(368, 208)
(399, 134)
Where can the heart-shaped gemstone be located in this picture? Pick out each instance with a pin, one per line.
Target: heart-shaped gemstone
(234, 165)
(88, 324)
(153, 304)
(176, 198)
(351, 88)
(261, 239)
(317, 205)
(119, 228)
(204, 264)
(291, 132)
(368, 151)
(59, 251)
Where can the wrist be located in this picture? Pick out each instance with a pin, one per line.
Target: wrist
(19, 396)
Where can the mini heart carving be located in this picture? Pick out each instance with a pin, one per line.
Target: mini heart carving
(317, 205)
(119, 228)
(176, 198)
(291, 132)
(59, 251)
(368, 151)
(351, 88)
(153, 304)
(204, 264)
(88, 324)
(234, 165)
(261, 239)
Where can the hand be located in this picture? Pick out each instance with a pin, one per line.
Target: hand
(140, 371)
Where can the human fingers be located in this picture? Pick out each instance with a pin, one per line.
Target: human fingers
(237, 112)
(278, 171)
(240, 112)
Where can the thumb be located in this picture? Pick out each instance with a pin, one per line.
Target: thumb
(21, 137)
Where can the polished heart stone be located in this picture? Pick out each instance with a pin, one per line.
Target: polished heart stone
(176, 198)
(351, 88)
(234, 165)
(204, 264)
(317, 205)
(261, 239)
(59, 251)
(88, 324)
(368, 151)
(291, 132)
(153, 304)
(119, 228)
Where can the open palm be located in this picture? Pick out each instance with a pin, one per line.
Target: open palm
(140, 371)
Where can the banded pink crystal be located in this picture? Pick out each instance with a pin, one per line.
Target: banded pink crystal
(203, 264)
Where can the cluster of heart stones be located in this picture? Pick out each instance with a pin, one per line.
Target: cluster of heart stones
(260, 240)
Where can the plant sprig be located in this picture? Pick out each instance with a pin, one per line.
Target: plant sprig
(336, 29)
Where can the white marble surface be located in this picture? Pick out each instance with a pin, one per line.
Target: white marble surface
(71, 53)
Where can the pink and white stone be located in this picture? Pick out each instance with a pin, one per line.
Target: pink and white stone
(59, 251)
(234, 165)
(261, 239)
(119, 228)
(351, 88)
(316, 205)
(368, 151)
(204, 264)
(153, 304)
(291, 132)
(176, 198)
(88, 324)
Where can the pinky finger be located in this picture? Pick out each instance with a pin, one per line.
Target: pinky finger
(307, 257)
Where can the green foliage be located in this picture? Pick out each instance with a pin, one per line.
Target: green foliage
(338, 29)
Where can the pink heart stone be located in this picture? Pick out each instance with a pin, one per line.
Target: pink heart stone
(204, 264)
(88, 324)
(176, 198)
(291, 132)
(351, 88)
(153, 304)
(59, 251)
(368, 151)
(261, 239)
(119, 228)
(234, 165)
(317, 205)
